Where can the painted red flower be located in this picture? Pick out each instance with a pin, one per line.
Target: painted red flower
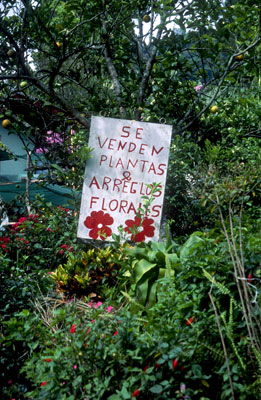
(141, 228)
(98, 223)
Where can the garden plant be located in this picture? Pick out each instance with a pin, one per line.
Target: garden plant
(128, 319)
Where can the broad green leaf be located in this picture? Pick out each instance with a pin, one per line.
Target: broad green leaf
(189, 246)
(157, 389)
(142, 267)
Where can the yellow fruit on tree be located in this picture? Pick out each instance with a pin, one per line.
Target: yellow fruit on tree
(23, 84)
(11, 53)
(146, 18)
(239, 57)
(214, 109)
(58, 44)
(6, 123)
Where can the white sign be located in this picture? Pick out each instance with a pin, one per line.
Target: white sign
(128, 156)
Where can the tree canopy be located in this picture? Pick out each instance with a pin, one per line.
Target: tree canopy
(192, 64)
(139, 59)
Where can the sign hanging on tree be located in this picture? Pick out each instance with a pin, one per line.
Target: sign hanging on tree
(124, 180)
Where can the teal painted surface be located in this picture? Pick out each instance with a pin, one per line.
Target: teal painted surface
(12, 170)
(52, 193)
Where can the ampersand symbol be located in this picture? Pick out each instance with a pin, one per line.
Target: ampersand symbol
(127, 176)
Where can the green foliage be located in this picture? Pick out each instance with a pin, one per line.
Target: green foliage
(41, 240)
(87, 272)
(151, 262)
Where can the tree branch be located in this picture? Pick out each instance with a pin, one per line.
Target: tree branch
(212, 99)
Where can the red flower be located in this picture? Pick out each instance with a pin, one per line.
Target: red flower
(141, 228)
(115, 333)
(175, 363)
(97, 223)
(43, 383)
(145, 368)
(249, 278)
(73, 328)
(135, 393)
(48, 359)
(5, 240)
(189, 322)
(61, 252)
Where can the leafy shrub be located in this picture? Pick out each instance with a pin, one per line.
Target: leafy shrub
(87, 272)
(79, 350)
(43, 239)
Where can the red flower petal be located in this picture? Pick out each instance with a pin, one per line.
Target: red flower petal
(175, 363)
(135, 393)
(90, 222)
(189, 322)
(94, 233)
(43, 383)
(73, 328)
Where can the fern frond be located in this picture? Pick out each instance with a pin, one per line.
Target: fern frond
(258, 359)
(229, 332)
(231, 319)
(222, 288)
(216, 354)
(131, 300)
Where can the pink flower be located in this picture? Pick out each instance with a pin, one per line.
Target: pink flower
(73, 328)
(98, 223)
(198, 87)
(53, 138)
(109, 308)
(97, 305)
(75, 367)
(41, 150)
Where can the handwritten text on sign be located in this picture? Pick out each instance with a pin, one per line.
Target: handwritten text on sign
(128, 156)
